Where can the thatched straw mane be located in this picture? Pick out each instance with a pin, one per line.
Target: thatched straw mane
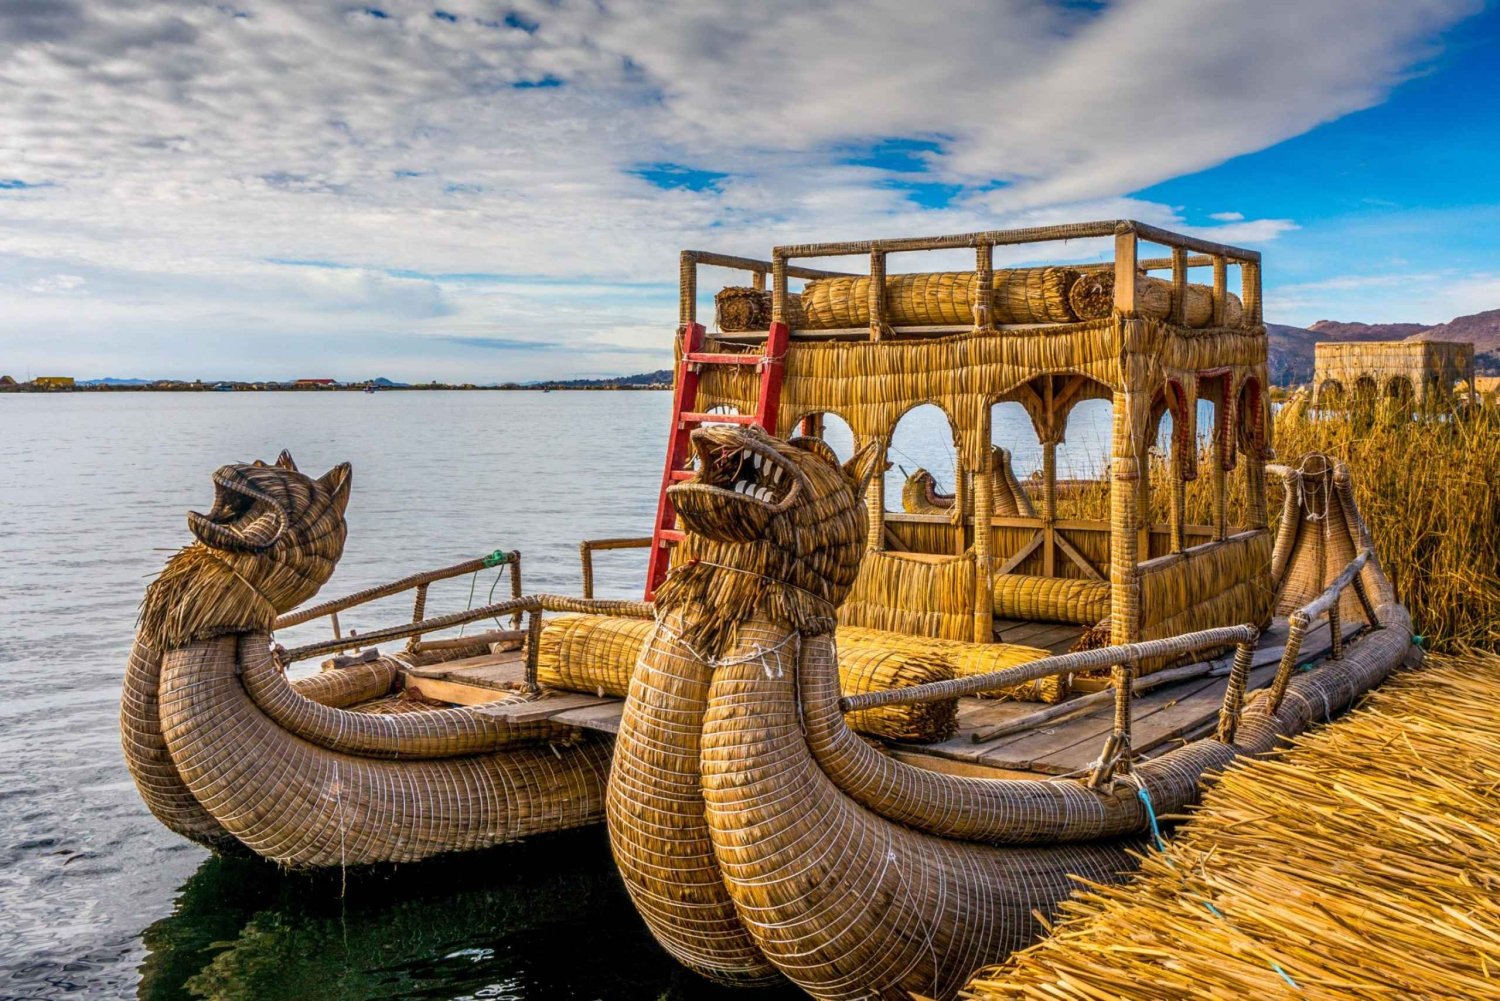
(271, 539)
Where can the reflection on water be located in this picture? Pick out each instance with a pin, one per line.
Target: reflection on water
(547, 919)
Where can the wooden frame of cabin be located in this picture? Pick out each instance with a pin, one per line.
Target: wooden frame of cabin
(1147, 367)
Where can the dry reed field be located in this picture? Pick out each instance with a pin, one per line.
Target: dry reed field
(1382, 882)
(1429, 490)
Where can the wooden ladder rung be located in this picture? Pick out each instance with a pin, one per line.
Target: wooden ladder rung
(709, 358)
(696, 418)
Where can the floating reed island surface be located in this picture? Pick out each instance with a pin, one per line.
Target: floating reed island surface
(1256, 898)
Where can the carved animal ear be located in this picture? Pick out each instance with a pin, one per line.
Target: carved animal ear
(284, 460)
(818, 447)
(336, 481)
(864, 466)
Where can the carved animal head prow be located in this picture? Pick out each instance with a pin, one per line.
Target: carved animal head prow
(272, 538)
(774, 528)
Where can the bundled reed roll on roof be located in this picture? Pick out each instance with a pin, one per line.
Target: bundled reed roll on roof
(738, 309)
(1092, 297)
(919, 299)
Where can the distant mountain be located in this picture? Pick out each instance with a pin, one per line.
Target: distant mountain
(1336, 330)
(1291, 348)
(660, 377)
(1481, 328)
(111, 381)
(387, 383)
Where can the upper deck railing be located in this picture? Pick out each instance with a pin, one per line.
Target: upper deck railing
(1127, 234)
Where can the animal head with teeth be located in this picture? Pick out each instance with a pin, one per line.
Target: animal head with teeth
(270, 541)
(774, 528)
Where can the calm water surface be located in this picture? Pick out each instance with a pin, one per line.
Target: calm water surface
(98, 899)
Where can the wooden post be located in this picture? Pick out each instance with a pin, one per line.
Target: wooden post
(1179, 286)
(877, 295)
(1221, 289)
(778, 288)
(1125, 268)
(984, 582)
(984, 293)
(758, 280)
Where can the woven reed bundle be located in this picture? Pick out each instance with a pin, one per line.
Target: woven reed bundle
(871, 661)
(913, 597)
(940, 298)
(1257, 890)
(738, 309)
(591, 653)
(1051, 599)
(962, 659)
(1092, 297)
(594, 653)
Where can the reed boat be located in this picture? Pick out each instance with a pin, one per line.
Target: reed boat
(757, 833)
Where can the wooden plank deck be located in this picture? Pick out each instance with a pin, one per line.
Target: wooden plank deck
(1058, 637)
(1161, 717)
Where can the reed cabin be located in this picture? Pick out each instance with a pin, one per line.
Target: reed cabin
(1046, 338)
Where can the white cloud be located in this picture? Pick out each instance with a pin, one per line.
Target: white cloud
(168, 153)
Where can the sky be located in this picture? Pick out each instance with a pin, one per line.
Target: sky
(487, 192)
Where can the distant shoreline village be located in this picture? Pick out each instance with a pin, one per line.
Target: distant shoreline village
(661, 379)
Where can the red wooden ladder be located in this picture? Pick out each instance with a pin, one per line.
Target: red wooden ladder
(686, 417)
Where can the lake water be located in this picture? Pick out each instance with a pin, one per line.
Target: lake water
(99, 900)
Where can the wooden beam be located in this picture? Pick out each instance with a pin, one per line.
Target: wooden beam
(1021, 555)
(1078, 558)
(1125, 255)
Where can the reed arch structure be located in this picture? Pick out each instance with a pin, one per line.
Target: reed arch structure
(1150, 345)
(1423, 374)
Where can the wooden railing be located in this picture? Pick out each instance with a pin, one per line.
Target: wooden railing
(588, 547)
(1186, 252)
(530, 606)
(417, 581)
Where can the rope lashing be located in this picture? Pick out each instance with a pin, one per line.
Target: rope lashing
(1161, 846)
(496, 558)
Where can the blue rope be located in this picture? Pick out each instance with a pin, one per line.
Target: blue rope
(1161, 846)
(1156, 838)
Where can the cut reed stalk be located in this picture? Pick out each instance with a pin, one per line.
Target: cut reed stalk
(1255, 894)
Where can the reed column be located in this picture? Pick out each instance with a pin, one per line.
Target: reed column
(875, 500)
(984, 271)
(687, 290)
(984, 584)
(1181, 442)
(1124, 541)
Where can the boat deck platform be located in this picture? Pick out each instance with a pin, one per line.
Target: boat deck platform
(994, 736)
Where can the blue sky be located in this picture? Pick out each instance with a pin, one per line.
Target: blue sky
(495, 191)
